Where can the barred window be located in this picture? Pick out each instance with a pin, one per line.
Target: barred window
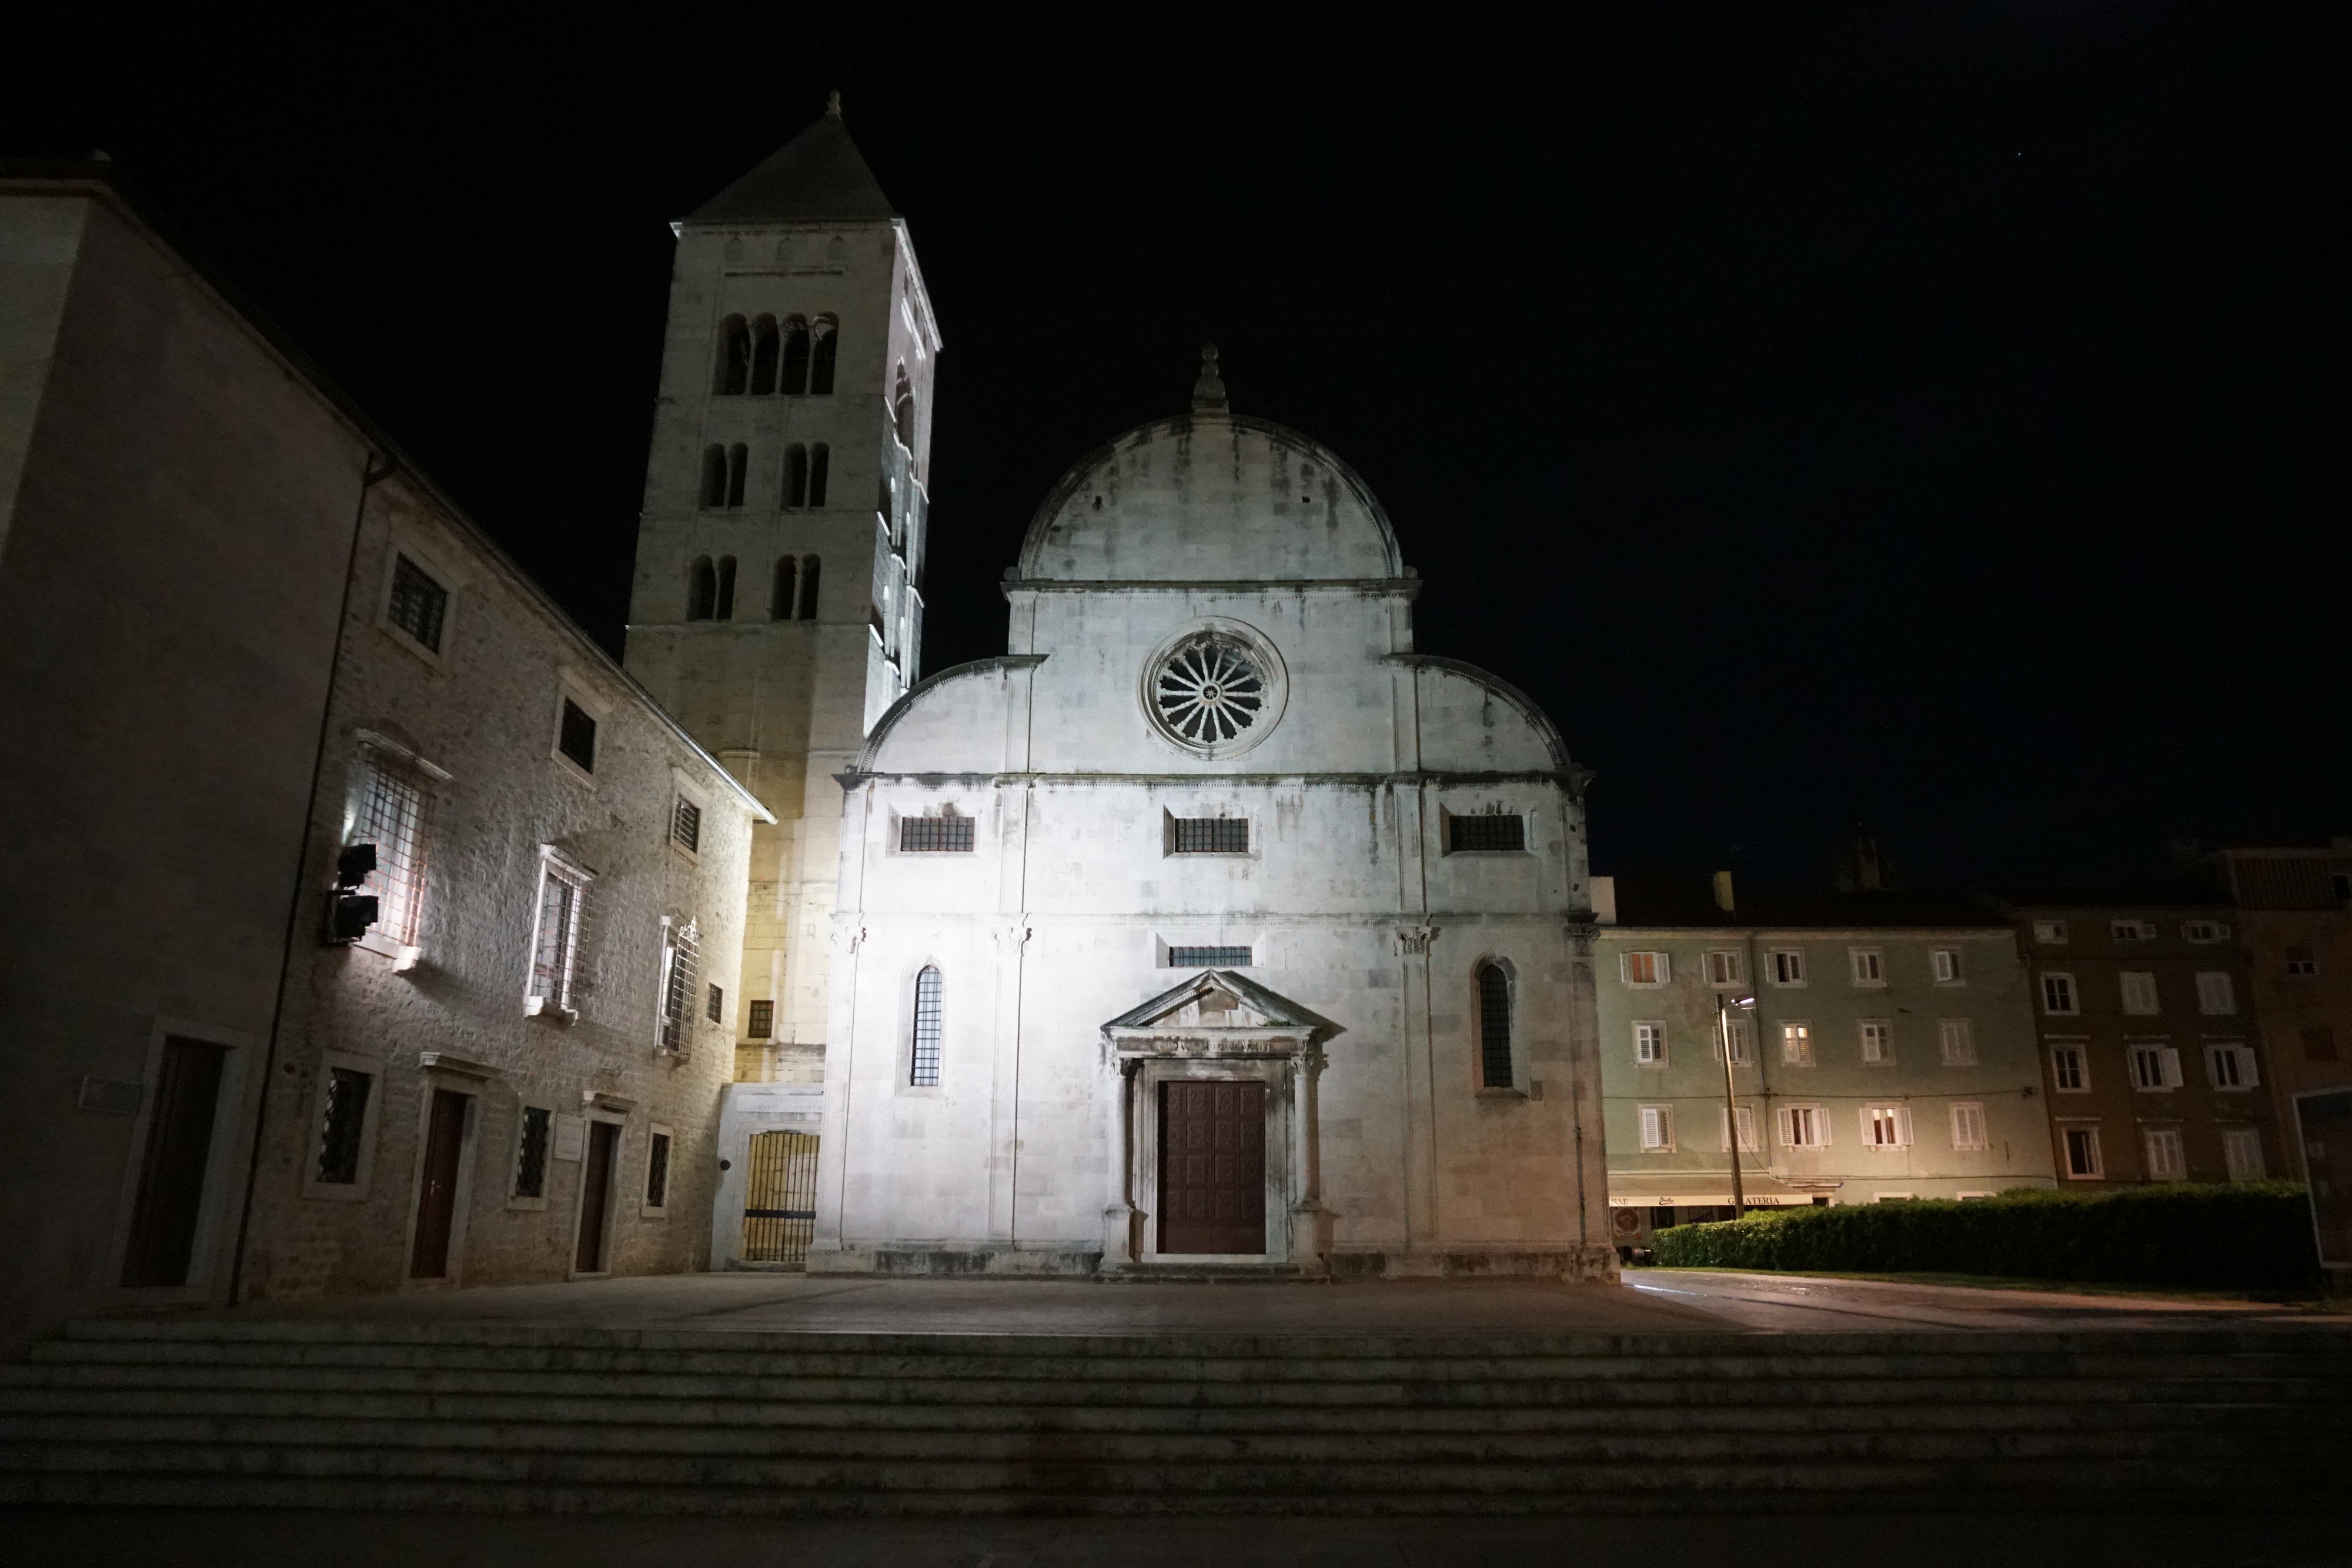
(390, 816)
(1208, 958)
(686, 824)
(1213, 835)
(657, 1172)
(1485, 832)
(763, 1020)
(681, 957)
(714, 1007)
(923, 1070)
(555, 946)
(346, 1119)
(927, 833)
(419, 605)
(1494, 1027)
(530, 1152)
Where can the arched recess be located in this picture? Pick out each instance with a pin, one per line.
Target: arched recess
(701, 589)
(809, 565)
(796, 475)
(734, 372)
(825, 340)
(780, 603)
(763, 356)
(714, 477)
(739, 463)
(820, 460)
(902, 410)
(1494, 983)
(725, 609)
(794, 377)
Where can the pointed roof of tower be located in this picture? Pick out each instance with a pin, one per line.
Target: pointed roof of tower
(817, 174)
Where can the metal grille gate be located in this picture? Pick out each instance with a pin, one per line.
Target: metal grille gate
(780, 1197)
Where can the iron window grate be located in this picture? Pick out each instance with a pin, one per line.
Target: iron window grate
(530, 1157)
(714, 1007)
(1213, 835)
(924, 1070)
(1208, 958)
(657, 1172)
(935, 833)
(339, 1137)
(392, 817)
(1485, 832)
(763, 1020)
(681, 959)
(419, 605)
(685, 825)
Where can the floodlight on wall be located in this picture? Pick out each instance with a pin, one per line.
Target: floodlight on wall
(354, 865)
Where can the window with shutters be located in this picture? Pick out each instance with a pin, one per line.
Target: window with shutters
(935, 835)
(1944, 964)
(2049, 933)
(418, 604)
(1650, 1044)
(2058, 994)
(1804, 1127)
(2242, 1152)
(2132, 930)
(1644, 968)
(2068, 1071)
(1746, 1117)
(1722, 967)
(1956, 1041)
(2154, 1067)
(2204, 931)
(1968, 1126)
(1494, 1063)
(2082, 1161)
(1740, 1041)
(1886, 1127)
(2139, 993)
(1797, 1044)
(2167, 1161)
(1869, 966)
(681, 955)
(761, 1024)
(1486, 834)
(2216, 997)
(923, 1070)
(555, 935)
(1658, 1127)
(1877, 1041)
(1787, 965)
(2231, 1065)
(1211, 835)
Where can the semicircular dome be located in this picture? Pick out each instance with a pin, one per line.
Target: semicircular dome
(1211, 499)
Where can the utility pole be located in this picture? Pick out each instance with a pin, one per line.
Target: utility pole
(1724, 1006)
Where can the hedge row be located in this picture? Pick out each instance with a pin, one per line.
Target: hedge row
(2243, 1235)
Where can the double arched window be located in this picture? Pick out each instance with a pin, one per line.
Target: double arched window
(805, 473)
(764, 356)
(923, 1059)
(902, 410)
(795, 592)
(1494, 1027)
(710, 589)
(723, 471)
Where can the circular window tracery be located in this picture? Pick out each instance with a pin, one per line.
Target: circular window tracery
(1214, 691)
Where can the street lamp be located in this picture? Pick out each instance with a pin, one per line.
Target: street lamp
(1724, 1005)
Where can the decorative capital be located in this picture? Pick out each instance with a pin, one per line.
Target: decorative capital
(1415, 939)
(849, 938)
(1013, 937)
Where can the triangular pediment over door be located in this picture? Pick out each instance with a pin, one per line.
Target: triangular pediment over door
(1226, 1003)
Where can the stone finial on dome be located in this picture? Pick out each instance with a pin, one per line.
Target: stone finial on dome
(833, 103)
(1209, 392)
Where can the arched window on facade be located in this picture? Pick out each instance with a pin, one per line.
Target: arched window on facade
(788, 581)
(739, 460)
(734, 357)
(820, 458)
(823, 340)
(923, 1061)
(795, 475)
(701, 589)
(808, 588)
(726, 588)
(763, 356)
(714, 477)
(1494, 1027)
(902, 410)
(796, 358)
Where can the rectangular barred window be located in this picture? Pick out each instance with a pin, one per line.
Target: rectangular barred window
(714, 1006)
(530, 1152)
(390, 816)
(680, 958)
(1470, 835)
(346, 1119)
(763, 1020)
(555, 946)
(657, 1172)
(1213, 835)
(935, 833)
(419, 604)
(685, 825)
(1208, 958)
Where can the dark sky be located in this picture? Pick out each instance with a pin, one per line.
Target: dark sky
(1930, 414)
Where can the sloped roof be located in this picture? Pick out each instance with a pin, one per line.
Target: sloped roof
(1654, 899)
(817, 174)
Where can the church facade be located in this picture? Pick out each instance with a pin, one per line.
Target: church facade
(1212, 927)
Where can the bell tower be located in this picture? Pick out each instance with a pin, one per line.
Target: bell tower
(777, 608)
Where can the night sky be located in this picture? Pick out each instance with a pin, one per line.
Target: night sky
(1931, 415)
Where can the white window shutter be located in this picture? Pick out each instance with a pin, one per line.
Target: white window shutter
(1822, 1121)
(2248, 1069)
(1903, 1125)
(2171, 1067)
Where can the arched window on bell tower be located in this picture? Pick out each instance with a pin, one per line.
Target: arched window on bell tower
(808, 588)
(726, 608)
(820, 458)
(902, 410)
(823, 342)
(714, 477)
(701, 589)
(739, 462)
(763, 356)
(780, 603)
(796, 476)
(796, 358)
(734, 358)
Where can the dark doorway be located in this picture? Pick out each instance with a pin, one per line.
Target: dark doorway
(1212, 1167)
(436, 1194)
(595, 1196)
(780, 1197)
(171, 1198)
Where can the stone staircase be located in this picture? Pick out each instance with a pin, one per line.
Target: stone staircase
(384, 1415)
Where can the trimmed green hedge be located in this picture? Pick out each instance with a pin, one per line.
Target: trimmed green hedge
(2242, 1234)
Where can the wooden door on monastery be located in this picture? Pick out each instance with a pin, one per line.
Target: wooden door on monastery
(1212, 1167)
(437, 1190)
(596, 1197)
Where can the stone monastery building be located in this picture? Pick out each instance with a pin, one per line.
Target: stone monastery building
(1212, 926)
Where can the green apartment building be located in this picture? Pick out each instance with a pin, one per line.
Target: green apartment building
(1889, 1052)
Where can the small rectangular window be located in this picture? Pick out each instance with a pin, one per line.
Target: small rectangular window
(2242, 1152)
(714, 1006)
(2216, 997)
(1650, 1044)
(2067, 1070)
(555, 949)
(2058, 994)
(2083, 1152)
(1208, 958)
(2302, 961)
(577, 737)
(1658, 1127)
(2165, 1161)
(1886, 1127)
(762, 1025)
(418, 604)
(1878, 1041)
(2049, 933)
(1738, 1041)
(1968, 1126)
(1869, 966)
(2154, 1067)
(1797, 1044)
(346, 1119)
(1213, 835)
(2139, 993)
(1645, 968)
(530, 1152)
(1747, 1129)
(2204, 931)
(927, 835)
(2231, 1066)
(1485, 833)
(1945, 963)
(658, 1171)
(685, 825)
(2132, 931)
(1956, 1040)
(1804, 1127)
(1788, 967)
(1722, 967)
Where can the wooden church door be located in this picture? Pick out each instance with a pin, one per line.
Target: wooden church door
(1212, 1167)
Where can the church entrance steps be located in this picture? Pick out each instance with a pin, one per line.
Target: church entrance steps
(358, 1414)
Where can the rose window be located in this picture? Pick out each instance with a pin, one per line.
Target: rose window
(1209, 691)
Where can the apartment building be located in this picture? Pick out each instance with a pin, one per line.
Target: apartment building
(2293, 910)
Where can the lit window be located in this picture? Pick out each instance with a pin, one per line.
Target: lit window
(2215, 995)
(923, 1068)
(1788, 967)
(391, 815)
(927, 835)
(763, 1024)
(1209, 958)
(1657, 1126)
(1968, 1126)
(1645, 968)
(2058, 994)
(1869, 966)
(555, 943)
(1956, 1041)
(1886, 1127)
(2165, 1161)
(1945, 963)
(2139, 993)
(418, 605)
(1485, 833)
(1797, 1044)
(1211, 835)
(1650, 1044)
(1804, 1127)
(2082, 1153)
(1878, 1041)
(681, 955)
(2067, 1070)
(1722, 967)
(2231, 1065)
(2153, 1066)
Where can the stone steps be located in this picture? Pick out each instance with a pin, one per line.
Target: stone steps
(323, 1415)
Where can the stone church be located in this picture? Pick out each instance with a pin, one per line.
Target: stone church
(1211, 927)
